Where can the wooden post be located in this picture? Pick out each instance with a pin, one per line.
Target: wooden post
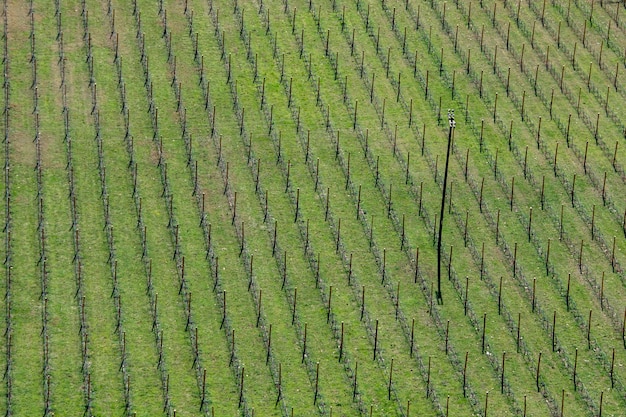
(295, 300)
(389, 203)
(341, 343)
(539, 132)
(482, 121)
(569, 277)
(362, 62)
(512, 191)
(480, 199)
(580, 256)
(589, 330)
(397, 300)
(495, 107)
(330, 297)
(417, 263)
(482, 261)
(612, 366)
(525, 161)
(338, 236)
(553, 331)
(574, 187)
(502, 375)
(327, 203)
(575, 368)
(593, 221)
(258, 318)
(317, 379)
(408, 164)
(482, 37)
(413, 339)
(466, 290)
(498, 226)
(495, 166)
(376, 339)
(624, 329)
(508, 80)
(548, 258)
(304, 342)
(441, 63)
(500, 296)
(363, 302)
(538, 372)
(601, 398)
(450, 264)
(453, 81)
(561, 224)
(556, 153)
(243, 239)
(487, 393)
(390, 380)
(495, 55)
(428, 380)
(530, 222)
(612, 260)
(484, 331)
(356, 374)
(243, 373)
(515, 260)
(465, 375)
(224, 310)
(465, 229)
(269, 345)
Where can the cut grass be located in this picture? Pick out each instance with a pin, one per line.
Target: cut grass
(371, 230)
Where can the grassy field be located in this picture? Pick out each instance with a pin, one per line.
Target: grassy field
(225, 207)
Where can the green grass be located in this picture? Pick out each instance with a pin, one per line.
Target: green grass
(26, 282)
(364, 169)
(64, 318)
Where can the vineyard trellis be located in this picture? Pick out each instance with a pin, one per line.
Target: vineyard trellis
(207, 141)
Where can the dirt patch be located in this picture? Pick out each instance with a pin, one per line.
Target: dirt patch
(21, 135)
(17, 17)
(52, 152)
(55, 76)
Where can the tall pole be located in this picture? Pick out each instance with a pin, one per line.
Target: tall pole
(443, 204)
